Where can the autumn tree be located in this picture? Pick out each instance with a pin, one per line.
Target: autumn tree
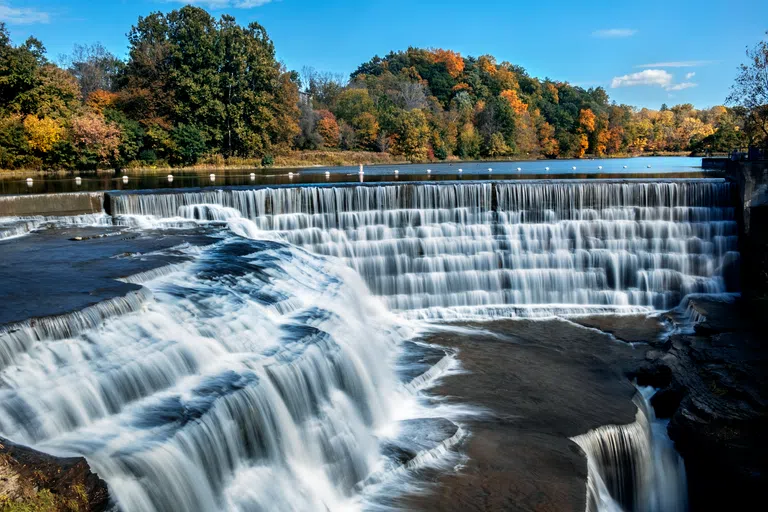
(750, 91)
(328, 129)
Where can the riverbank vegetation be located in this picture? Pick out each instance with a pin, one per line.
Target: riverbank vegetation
(196, 90)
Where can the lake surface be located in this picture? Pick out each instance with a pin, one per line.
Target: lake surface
(645, 167)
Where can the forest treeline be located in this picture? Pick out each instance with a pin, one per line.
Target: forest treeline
(199, 89)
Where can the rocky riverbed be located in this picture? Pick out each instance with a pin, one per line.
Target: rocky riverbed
(542, 382)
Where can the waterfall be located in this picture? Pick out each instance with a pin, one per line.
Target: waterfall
(437, 249)
(634, 468)
(252, 378)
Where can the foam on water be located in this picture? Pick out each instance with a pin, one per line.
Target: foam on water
(254, 379)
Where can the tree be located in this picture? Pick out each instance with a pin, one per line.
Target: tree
(43, 134)
(367, 128)
(189, 143)
(412, 135)
(328, 129)
(94, 67)
(750, 90)
(96, 141)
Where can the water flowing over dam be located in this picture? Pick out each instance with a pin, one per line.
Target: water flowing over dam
(262, 372)
(475, 247)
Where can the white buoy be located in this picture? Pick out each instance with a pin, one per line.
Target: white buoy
(519, 169)
(461, 170)
(429, 171)
(625, 166)
(649, 166)
(78, 180)
(397, 171)
(490, 170)
(170, 177)
(212, 177)
(574, 167)
(253, 175)
(327, 173)
(125, 178)
(600, 167)
(361, 169)
(29, 182)
(546, 168)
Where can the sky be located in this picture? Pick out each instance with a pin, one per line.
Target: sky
(643, 53)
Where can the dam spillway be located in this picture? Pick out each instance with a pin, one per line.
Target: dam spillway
(428, 247)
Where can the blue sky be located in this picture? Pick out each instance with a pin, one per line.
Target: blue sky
(644, 53)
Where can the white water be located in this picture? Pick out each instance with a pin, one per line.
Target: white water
(256, 376)
(254, 379)
(634, 468)
(14, 227)
(566, 245)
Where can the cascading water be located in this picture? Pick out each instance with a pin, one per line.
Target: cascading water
(634, 468)
(256, 376)
(254, 379)
(452, 250)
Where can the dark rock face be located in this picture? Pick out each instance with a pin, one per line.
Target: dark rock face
(751, 179)
(719, 378)
(36, 481)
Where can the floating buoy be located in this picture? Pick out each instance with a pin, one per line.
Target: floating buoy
(429, 171)
(327, 173)
(78, 180)
(29, 182)
(574, 167)
(519, 169)
(490, 170)
(546, 168)
(125, 178)
(170, 177)
(600, 167)
(461, 170)
(625, 166)
(253, 175)
(397, 171)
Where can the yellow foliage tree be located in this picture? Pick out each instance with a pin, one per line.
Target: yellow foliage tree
(587, 120)
(583, 145)
(43, 133)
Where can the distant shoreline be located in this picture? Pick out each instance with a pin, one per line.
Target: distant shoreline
(319, 159)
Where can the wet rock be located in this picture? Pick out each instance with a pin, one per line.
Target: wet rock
(719, 378)
(32, 480)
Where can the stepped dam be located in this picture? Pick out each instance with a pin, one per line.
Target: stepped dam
(295, 347)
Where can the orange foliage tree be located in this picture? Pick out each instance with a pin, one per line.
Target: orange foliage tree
(452, 60)
(328, 128)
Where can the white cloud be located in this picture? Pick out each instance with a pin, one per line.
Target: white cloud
(677, 64)
(21, 15)
(221, 4)
(652, 77)
(681, 86)
(690, 75)
(610, 33)
(645, 77)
